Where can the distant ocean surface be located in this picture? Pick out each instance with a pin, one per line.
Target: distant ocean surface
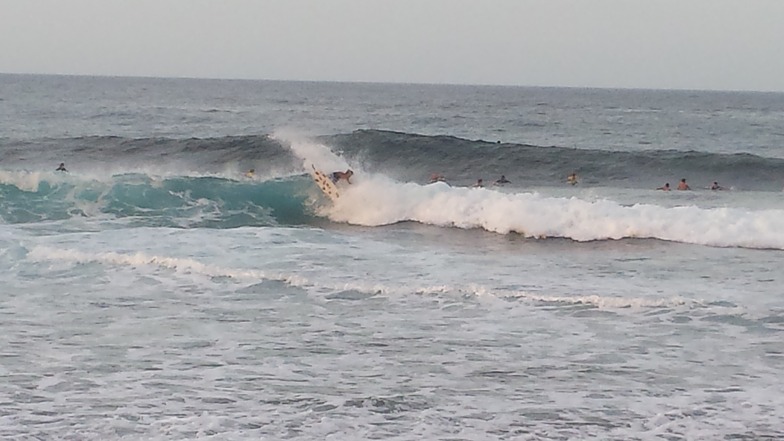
(154, 291)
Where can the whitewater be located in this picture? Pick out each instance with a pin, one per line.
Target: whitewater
(156, 291)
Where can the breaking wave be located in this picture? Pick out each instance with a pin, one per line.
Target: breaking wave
(378, 198)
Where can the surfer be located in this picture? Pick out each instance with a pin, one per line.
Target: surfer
(683, 185)
(716, 186)
(502, 181)
(572, 179)
(479, 183)
(61, 167)
(250, 173)
(338, 175)
(666, 187)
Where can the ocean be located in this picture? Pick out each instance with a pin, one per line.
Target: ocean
(154, 291)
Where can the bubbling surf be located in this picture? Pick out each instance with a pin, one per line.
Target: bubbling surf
(377, 200)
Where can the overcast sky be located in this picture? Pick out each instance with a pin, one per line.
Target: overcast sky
(671, 44)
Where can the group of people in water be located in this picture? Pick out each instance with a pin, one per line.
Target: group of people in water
(500, 181)
(684, 186)
(571, 179)
(438, 177)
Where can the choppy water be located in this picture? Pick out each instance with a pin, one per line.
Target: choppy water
(154, 292)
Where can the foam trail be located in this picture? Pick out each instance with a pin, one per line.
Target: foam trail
(191, 266)
(41, 253)
(603, 302)
(186, 265)
(377, 200)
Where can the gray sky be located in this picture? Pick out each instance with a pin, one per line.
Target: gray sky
(680, 44)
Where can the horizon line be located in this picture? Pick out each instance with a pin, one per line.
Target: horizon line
(401, 83)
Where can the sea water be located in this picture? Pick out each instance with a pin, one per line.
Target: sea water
(154, 291)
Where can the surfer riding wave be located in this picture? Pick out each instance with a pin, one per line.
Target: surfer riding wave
(338, 175)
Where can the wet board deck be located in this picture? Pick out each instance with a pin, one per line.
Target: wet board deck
(325, 184)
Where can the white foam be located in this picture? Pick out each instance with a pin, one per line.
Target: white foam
(313, 154)
(141, 259)
(23, 180)
(377, 200)
(30, 181)
(192, 266)
(606, 302)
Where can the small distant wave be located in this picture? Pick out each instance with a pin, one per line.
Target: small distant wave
(414, 157)
(349, 290)
(405, 157)
(605, 302)
(189, 265)
(42, 253)
(159, 155)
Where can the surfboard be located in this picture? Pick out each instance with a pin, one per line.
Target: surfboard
(325, 184)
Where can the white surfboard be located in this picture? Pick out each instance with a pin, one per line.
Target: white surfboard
(325, 184)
